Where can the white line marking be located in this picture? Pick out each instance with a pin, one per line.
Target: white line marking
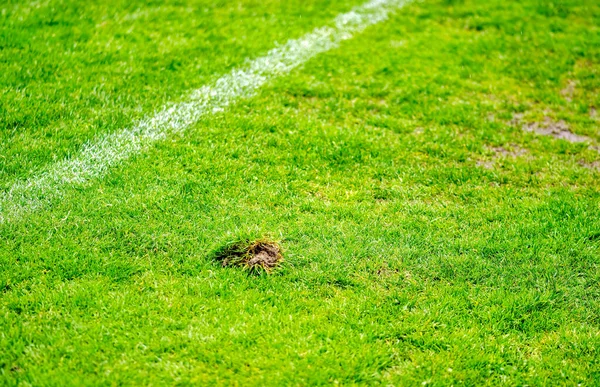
(95, 158)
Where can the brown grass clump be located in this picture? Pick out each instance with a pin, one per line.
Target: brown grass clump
(257, 256)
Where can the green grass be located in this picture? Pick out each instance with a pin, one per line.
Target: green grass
(406, 262)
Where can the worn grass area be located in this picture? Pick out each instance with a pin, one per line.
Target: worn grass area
(429, 235)
(257, 256)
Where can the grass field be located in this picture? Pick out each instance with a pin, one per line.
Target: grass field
(434, 183)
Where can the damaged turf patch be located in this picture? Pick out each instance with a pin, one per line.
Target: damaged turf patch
(558, 130)
(499, 153)
(594, 165)
(569, 90)
(258, 256)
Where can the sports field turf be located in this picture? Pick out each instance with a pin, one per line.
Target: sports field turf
(434, 182)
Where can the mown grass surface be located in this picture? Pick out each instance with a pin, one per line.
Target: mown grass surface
(416, 252)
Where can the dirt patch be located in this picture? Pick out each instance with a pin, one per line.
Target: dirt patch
(594, 114)
(487, 164)
(517, 118)
(594, 165)
(513, 151)
(386, 271)
(262, 255)
(569, 90)
(555, 129)
(500, 152)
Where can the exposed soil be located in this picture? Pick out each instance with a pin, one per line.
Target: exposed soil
(517, 118)
(255, 256)
(594, 165)
(569, 90)
(385, 271)
(513, 151)
(487, 164)
(555, 129)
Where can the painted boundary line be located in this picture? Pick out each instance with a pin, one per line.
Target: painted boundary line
(97, 157)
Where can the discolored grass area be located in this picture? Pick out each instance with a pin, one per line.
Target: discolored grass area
(439, 225)
(256, 256)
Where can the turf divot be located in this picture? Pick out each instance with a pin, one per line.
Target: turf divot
(258, 256)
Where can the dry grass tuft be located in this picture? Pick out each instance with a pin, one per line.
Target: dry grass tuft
(258, 256)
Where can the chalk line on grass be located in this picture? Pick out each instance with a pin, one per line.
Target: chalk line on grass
(96, 157)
